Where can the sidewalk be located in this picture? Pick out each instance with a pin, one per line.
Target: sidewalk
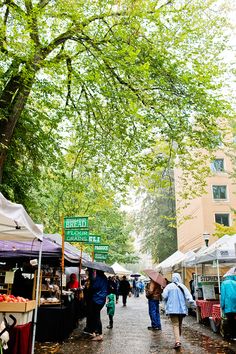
(131, 336)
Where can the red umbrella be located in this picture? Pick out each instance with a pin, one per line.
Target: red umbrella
(155, 276)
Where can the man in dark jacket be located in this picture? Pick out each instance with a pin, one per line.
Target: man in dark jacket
(124, 289)
(99, 294)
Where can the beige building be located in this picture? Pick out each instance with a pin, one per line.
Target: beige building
(215, 206)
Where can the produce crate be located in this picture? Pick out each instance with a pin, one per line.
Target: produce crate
(17, 306)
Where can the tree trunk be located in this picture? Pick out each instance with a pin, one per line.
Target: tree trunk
(12, 103)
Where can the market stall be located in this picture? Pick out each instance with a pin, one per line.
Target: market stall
(57, 316)
(59, 309)
(15, 224)
(57, 305)
(219, 257)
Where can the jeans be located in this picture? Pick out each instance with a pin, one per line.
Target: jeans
(97, 323)
(153, 307)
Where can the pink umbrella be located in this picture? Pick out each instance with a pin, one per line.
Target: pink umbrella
(155, 276)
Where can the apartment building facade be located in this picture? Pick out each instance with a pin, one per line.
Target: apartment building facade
(216, 205)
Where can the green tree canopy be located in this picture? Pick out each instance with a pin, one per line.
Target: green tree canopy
(102, 81)
(62, 196)
(155, 222)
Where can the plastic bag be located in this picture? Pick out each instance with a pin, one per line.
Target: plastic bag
(5, 336)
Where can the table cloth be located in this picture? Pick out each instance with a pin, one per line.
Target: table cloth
(206, 307)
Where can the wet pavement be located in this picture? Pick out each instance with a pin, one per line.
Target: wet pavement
(131, 336)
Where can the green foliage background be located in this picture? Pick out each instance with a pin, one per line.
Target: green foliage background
(88, 87)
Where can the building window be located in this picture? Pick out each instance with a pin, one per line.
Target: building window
(219, 192)
(222, 219)
(217, 165)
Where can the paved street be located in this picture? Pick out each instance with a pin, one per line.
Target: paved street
(130, 336)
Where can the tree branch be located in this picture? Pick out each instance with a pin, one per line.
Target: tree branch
(32, 22)
(43, 3)
(78, 27)
(114, 73)
(3, 39)
(69, 79)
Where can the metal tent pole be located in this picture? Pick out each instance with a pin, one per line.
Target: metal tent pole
(37, 297)
(196, 293)
(218, 275)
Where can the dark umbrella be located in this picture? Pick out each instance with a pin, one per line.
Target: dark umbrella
(136, 275)
(155, 276)
(98, 266)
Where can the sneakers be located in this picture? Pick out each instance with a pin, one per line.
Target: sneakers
(154, 328)
(177, 345)
(109, 327)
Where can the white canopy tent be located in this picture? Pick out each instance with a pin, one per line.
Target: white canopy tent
(188, 257)
(180, 265)
(119, 270)
(168, 263)
(223, 250)
(16, 224)
(190, 261)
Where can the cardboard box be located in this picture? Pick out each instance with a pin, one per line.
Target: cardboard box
(17, 306)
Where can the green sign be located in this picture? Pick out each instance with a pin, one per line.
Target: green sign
(77, 235)
(76, 222)
(101, 248)
(94, 239)
(100, 256)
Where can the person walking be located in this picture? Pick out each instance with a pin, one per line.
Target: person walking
(110, 309)
(175, 296)
(228, 302)
(141, 286)
(112, 285)
(124, 289)
(192, 286)
(117, 280)
(136, 287)
(99, 294)
(153, 292)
